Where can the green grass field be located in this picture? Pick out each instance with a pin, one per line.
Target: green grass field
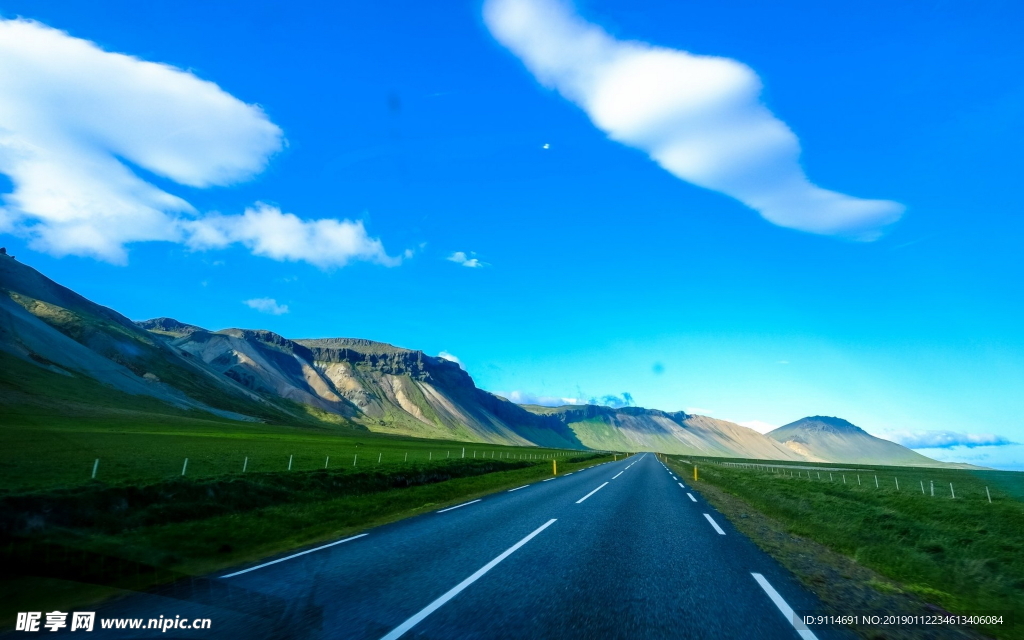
(54, 442)
(136, 447)
(250, 489)
(195, 526)
(964, 554)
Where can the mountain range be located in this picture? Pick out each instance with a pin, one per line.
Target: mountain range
(258, 375)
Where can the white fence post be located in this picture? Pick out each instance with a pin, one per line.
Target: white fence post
(95, 468)
(184, 466)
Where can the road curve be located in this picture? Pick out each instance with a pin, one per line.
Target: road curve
(618, 550)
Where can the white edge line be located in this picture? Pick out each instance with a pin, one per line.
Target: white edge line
(786, 610)
(591, 493)
(294, 555)
(691, 497)
(680, 485)
(518, 488)
(548, 480)
(398, 631)
(459, 505)
(618, 474)
(714, 524)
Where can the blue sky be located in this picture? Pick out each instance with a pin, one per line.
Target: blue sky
(592, 264)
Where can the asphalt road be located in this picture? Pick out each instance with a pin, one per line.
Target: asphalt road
(619, 550)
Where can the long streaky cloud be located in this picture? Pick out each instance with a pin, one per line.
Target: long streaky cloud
(699, 117)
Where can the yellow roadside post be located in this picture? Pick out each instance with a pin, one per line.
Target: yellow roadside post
(554, 467)
(694, 473)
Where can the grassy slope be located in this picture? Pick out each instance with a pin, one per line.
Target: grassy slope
(965, 555)
(50, 442)
(598, 434)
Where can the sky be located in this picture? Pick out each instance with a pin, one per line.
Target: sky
(753, 212)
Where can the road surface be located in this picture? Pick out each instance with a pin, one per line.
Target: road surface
(618, 550)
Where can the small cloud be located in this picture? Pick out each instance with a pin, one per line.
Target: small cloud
(782, 362)
(657, 368)
(546, 146)
(525, 397)
(269, 232)
(946, 439)
(444, 355)
(699, 411)
(758, 425)
(266, 305)
(460, 257)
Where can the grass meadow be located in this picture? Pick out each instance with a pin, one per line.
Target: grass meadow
(963, 553)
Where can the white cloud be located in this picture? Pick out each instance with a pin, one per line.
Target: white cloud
(946, 439)
(758, 425)
(268, 232)
(699, 117)
(444, 355)
(460, 257)
(76, 120)
(525, 397)
(266, 305)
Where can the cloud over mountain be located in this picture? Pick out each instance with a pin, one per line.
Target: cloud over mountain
(699, 117)
(947, 439)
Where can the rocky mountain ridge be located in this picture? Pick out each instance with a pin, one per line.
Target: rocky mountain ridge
(255, 374)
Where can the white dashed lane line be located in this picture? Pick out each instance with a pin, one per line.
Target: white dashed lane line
(400, 630)
(787, 611)
(591, 493)
(518, 488)
(458, 506)
(714, 524)
(618, 474)
(691, 497)
(294, 555)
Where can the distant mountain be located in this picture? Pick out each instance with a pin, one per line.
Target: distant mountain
(377, 385)
(830, 439)
(247, 374)
(639, 429)
(59, 330)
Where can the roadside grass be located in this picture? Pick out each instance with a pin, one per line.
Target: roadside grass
(54, 442)
(135, 447)
(198, 526)
(964, 554)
